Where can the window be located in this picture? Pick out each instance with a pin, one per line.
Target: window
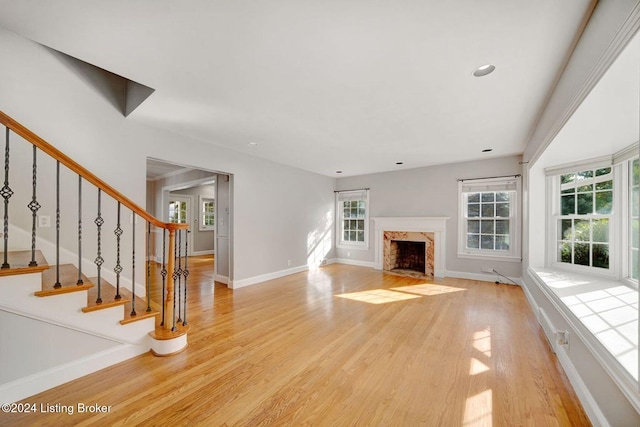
(584, 223)
(488, 225)
(207, 214)
(178, 211)
(634, 184)
(352, 208)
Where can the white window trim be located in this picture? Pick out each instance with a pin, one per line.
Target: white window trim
(339, 218)
(619, 234)
(514, 253)
(201, 224)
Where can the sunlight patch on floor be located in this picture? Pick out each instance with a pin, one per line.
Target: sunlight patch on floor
(378, 296)
(477, 367)
(478, 410)
(482, 342)
(428, 289)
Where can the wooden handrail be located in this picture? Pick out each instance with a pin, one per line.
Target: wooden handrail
(84, 173)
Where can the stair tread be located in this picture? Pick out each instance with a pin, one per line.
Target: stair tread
(141, 312)
(19, 263)
(165, 334)
(68, 281)
(108, 295)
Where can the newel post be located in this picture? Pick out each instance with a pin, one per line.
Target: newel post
(169, 301)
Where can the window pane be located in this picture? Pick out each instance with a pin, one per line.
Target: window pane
(582, 230)
(488, 210)
(361, 204)
(353, 236)
(585, 203)
(354, 212)
(605, 185)
(585, 188)
(353, 225)
(487, 197)
(473, 198)
(564, 179)
(502, 243)
(502, 197)
(635, 172)
(486, 242)
(634, 202)
(473, 226)
(634, 264)
(604, 202)
(564, 252)
(502, 210)
(581, 255)
(601, 230)
(634, 232)
(566, 230)
(360, 236)
(360, 224)
(345, 236)
(569, 190)
(361, 212)
(601, 256)
(502, 226)
(568, 205)
(603, 171)
(473, 210)
(347, 212)
(473, 241)
(584, 175)
(345, 225)
(486, 227)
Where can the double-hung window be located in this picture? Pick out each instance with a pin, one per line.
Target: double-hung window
(207, 214)
(585, 218)
(488, 225)
(352, 209)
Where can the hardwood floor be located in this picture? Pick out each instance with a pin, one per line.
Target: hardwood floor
(338, 346)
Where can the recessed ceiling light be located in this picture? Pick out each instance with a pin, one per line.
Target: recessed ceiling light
(486, 150)
(484, 70)
(338, 171)
(253, 144)
(399, 163)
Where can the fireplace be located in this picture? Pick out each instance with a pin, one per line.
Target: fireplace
(406, 255)
(430, 231)
(408, 252)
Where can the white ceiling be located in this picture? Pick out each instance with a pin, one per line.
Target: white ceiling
(351, 85)
(607, 120)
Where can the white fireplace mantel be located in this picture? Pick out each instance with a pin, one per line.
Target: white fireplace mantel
(436, 225)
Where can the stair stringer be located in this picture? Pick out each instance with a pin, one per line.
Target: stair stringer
(64, 310)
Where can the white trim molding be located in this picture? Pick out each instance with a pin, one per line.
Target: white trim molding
(435, 225)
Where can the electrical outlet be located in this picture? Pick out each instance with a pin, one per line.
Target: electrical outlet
(44, 221)
(289, 262)
(348, 254)
(562, 337)
(487, 269)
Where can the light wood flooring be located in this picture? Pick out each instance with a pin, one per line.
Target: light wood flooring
(338, 346)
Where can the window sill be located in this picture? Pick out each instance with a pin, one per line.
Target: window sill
(504, 258)
(606, 311)
(361, 247)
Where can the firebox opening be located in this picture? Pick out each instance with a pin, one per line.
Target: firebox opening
(409, 255)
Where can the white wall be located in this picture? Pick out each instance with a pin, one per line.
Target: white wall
(276, 208)
(429, 191)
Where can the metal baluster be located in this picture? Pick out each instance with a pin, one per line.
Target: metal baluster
(80, 281)
(34, 206)
(99, 260)
(118, 268)
(179, 271)
(148, 267)
(57, 285)
(6, 193)
(133, 267)
(163, 272)
(185, 273)
(175, 277)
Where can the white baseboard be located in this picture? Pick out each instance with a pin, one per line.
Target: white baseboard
(485, 277)
(221, 279)
(36, 383)
(235, 284)
(347, 261)
(196, 253)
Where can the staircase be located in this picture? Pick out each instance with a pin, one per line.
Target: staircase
(57, 323)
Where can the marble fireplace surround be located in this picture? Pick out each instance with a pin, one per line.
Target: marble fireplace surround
(435, 225)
